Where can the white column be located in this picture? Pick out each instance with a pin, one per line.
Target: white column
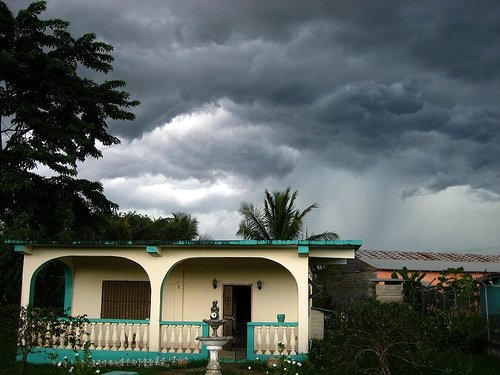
(154, 319)
(302, 276)
(30, 264)
(156, 271)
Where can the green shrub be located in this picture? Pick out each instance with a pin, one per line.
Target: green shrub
(369, 335)
(448, 332)
(385, 338)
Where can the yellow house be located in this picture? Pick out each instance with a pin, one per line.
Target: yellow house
(146, 300)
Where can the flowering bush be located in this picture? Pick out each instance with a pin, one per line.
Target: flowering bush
(278, 365)
(85, 365)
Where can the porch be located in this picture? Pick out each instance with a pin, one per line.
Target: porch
(114, 340)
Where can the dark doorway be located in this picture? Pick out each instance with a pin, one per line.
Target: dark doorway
(50, 287)
(237, 310)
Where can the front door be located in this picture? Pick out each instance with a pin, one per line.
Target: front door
(237, 309)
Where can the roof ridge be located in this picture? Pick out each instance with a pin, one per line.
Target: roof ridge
(427, 256)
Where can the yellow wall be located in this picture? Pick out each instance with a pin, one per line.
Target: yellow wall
(188, 291)
(88, 276)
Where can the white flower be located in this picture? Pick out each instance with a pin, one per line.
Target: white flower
(97, 371)
(71, 369)
(58, 364)
(274, 364)
(299, 364)
(249, 367)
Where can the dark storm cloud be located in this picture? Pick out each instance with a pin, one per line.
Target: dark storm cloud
(348, 83)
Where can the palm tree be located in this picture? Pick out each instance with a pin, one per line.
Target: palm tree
(134, 226)
(277, 220)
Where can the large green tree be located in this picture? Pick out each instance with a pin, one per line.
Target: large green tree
(52, 117)
(278, 219)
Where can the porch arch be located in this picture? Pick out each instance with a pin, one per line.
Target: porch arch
(68, 283)
(187, 291)
(90, 273)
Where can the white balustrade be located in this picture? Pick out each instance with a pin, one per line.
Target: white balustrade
(175, 337)
(274, 339)
(179, 338)
(103, 335)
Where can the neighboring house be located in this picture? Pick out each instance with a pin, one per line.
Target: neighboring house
(490, 298)
(149, 300)
(369, 274)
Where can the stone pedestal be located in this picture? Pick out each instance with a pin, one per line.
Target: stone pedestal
(214, 344)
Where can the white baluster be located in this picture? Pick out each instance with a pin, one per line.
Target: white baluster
(100, 335)
(164, 340)
(114, 336)
(188, 340)
(197, 344)
(129, 337)
(259, 340)
(92, 335)
(172, 339)
(292, 341)
(107, 336)
(122, 337)
(285, 341)
(61, 340)
(55, 341)
(145, 337)
(85, 336)
(268, 341)
(180, 349)
(276, 340)
(70, 327)
(137, 336)
(47, 336)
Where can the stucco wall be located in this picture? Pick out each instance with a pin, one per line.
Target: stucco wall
(88, 276)
(188, 291)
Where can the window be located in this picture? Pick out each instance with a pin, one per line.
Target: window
(125, 299)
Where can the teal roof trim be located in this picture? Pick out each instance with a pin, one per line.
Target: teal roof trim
(303, 249)
(219, 243)
(153, 250)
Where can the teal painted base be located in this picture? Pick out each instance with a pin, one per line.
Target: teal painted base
(49, 356)
(53, 356)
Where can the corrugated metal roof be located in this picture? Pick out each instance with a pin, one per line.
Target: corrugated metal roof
(429, 261)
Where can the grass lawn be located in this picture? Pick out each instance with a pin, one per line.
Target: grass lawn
(456, 363)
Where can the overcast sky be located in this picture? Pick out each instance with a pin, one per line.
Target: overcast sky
(385, 113)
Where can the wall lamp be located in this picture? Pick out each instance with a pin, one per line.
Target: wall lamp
(259, 284)
(214, 283)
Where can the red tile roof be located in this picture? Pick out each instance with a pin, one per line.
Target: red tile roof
(427, 261)
(424, 256)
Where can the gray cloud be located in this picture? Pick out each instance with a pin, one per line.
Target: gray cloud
(275, 89)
